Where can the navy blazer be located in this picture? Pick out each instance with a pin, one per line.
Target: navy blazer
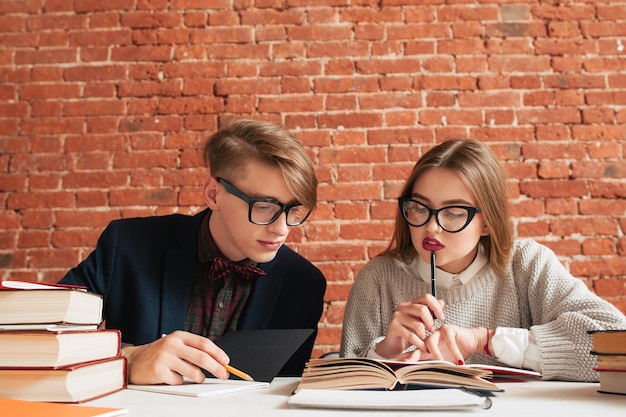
(144, 268)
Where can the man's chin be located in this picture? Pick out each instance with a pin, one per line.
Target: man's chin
(264, 258)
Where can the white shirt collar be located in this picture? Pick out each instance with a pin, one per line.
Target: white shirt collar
(448, 280)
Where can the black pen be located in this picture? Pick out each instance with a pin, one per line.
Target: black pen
(433, 275)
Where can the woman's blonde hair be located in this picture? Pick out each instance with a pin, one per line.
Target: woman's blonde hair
(229, 149)
(481, 171)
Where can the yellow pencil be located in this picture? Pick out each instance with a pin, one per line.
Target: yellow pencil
(239, 373)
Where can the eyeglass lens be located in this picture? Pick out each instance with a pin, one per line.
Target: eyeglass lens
(451, 219)
(265, 212)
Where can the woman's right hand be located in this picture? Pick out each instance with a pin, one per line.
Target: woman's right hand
(409, 323)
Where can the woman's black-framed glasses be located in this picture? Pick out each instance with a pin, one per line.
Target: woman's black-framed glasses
(263, 210)
(452, 219)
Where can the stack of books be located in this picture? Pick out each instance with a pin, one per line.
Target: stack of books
(609, 346)
(51, 348)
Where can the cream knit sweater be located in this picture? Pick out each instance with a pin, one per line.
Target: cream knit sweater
(538, 294)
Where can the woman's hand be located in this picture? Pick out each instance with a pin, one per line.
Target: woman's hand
(409, 325)
(455, 344)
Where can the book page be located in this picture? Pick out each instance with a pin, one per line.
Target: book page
(429, 399)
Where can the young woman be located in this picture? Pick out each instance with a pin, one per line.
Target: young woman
(498, 300)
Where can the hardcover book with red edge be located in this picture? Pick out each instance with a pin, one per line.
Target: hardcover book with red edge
(56, 349)
(72, 384)
(46, 304)
(612, 381)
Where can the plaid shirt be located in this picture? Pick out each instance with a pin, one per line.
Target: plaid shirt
(215, 305)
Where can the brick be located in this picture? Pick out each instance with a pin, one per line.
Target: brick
(50, 56)
(570, 150)
(588, 226)
(81, 144)
(452, 117)
(598, 246)
(295, 103)
(56, 22)
(554, 188)
(143, 197)
(610, 287)
(356, 192)
(85, 6)
(333, 252)
(48, 91)
(33, 239)
(350, 120)
(123, 160)
(48, 181)
(23, 201)
(563, 247)
(101, 38)
(561, 206)
(602, 207)
(142, 20)
(353, 155)
(95, 108)
(105, 179)
(607, 189)
(158, 124)
(91, 198)
(553, 169)
(598, 267)
(94, 72)
(365, 231)
(448, 83)
(105, 90)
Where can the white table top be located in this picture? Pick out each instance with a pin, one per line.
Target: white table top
(533, 398)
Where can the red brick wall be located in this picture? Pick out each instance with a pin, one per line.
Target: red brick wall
(105, 104)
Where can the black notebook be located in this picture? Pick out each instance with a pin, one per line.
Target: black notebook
(262, 353)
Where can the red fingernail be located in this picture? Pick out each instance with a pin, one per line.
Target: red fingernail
(461, 362)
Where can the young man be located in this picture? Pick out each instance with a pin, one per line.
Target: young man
(166, 282)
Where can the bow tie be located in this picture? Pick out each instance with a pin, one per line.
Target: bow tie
(223, 267)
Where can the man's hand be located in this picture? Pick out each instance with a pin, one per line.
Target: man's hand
(173, 358)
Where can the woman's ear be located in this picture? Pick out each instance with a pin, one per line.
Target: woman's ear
(210, 191)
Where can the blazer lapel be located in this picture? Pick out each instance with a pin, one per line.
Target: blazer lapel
(178, 275)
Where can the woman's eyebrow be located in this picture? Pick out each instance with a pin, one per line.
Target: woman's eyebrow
(457, 201)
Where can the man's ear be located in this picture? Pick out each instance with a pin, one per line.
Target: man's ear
(210, 191)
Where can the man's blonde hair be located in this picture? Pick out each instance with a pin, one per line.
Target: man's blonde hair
(230, 148)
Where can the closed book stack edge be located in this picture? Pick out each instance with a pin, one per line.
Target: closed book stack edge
(609, 347)
(51, 349)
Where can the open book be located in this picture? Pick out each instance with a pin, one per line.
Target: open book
(365, 373)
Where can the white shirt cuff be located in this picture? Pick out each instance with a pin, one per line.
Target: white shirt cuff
(370, 352)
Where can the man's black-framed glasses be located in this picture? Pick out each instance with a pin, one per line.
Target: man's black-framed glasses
(452, 219)
(263, 210)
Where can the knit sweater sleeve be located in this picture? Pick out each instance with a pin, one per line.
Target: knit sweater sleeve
(562, 309)
(380, 286)
(362, 320)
